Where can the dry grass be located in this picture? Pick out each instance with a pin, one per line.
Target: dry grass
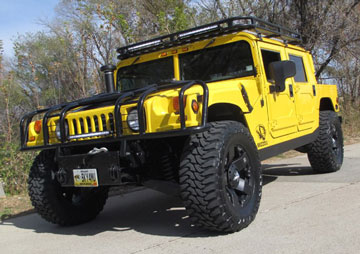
(351, 124)
(11, 206)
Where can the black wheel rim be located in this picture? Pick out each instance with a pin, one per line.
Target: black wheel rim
(335, 141)
(239, 177)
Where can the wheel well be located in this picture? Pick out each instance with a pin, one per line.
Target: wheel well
(226, 111)
(326, 104)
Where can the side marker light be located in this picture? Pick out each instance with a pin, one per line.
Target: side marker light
(37, 126)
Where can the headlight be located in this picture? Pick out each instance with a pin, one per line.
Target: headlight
(132, 120)
(57, 130)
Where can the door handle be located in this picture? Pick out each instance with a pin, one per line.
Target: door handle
(291, 90)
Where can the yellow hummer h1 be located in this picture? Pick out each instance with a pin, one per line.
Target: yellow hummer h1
(192, 112)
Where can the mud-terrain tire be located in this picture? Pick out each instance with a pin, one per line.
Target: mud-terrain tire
(64, 206)
(213, 167)
(326, 153)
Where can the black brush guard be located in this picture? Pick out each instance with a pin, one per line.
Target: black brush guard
(120, 99)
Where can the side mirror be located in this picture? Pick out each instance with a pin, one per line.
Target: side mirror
(279, 71)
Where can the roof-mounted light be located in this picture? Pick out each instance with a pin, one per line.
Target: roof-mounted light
(144, 45)
(198, 31)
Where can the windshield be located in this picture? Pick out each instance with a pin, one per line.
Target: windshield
(228, 61)
(144, 74)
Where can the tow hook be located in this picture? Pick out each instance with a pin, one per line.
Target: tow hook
(96, 150)
(61, 176)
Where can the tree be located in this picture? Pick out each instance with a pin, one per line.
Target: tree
(326, 27)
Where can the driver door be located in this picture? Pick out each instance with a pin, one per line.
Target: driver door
(281, 105)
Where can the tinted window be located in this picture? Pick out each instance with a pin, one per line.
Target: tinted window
(300, 71)
(143, 74)
(218, 63)
(269, 57)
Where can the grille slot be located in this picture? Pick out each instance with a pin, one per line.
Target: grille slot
(81, 126)
(75, 126)
(103, 120)
(111, 120)
(96, 123)
(89, 124)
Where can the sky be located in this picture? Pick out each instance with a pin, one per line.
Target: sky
(22, 16)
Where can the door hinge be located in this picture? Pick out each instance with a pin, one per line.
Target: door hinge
(314, 90)
(291, 90)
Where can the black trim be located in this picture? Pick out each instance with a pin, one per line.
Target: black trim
(246, 99)
(226, 26)
(288, 145)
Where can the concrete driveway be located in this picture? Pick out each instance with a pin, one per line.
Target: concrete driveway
(301, 212)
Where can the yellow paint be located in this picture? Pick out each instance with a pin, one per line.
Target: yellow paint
(278, 116)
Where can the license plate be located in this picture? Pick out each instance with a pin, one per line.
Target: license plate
(85, 177)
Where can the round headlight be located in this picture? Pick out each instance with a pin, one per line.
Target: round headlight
(57, 130)
(132, 120)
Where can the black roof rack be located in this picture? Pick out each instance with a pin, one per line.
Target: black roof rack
(230, 25)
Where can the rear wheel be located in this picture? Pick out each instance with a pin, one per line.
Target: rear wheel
(62, 205)
(326, 153)
(220, 177)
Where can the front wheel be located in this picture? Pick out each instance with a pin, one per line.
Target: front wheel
(61, 205)
(326, 153)
(220, 177)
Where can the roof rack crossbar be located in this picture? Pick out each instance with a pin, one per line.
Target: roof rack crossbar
(230, 25)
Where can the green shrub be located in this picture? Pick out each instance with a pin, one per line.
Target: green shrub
(14, 168)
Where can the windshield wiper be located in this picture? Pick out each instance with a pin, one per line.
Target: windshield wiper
(136, 59)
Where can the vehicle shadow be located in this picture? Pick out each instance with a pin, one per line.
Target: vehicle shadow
(145, 211)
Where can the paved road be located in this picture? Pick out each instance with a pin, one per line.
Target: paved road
(300, 213)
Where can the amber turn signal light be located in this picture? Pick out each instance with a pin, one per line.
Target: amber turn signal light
(195, 106)
(37, 126)
(176, 103)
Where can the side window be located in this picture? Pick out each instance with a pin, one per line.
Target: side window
(300, 71)
(269, 57)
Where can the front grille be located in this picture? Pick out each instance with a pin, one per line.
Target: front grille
(102, 124)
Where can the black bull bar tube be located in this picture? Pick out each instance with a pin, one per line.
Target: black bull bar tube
(120, 99)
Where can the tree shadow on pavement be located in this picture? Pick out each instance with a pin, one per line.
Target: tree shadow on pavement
(144, 211)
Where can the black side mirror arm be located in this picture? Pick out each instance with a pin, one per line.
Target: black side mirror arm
(279, 71)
